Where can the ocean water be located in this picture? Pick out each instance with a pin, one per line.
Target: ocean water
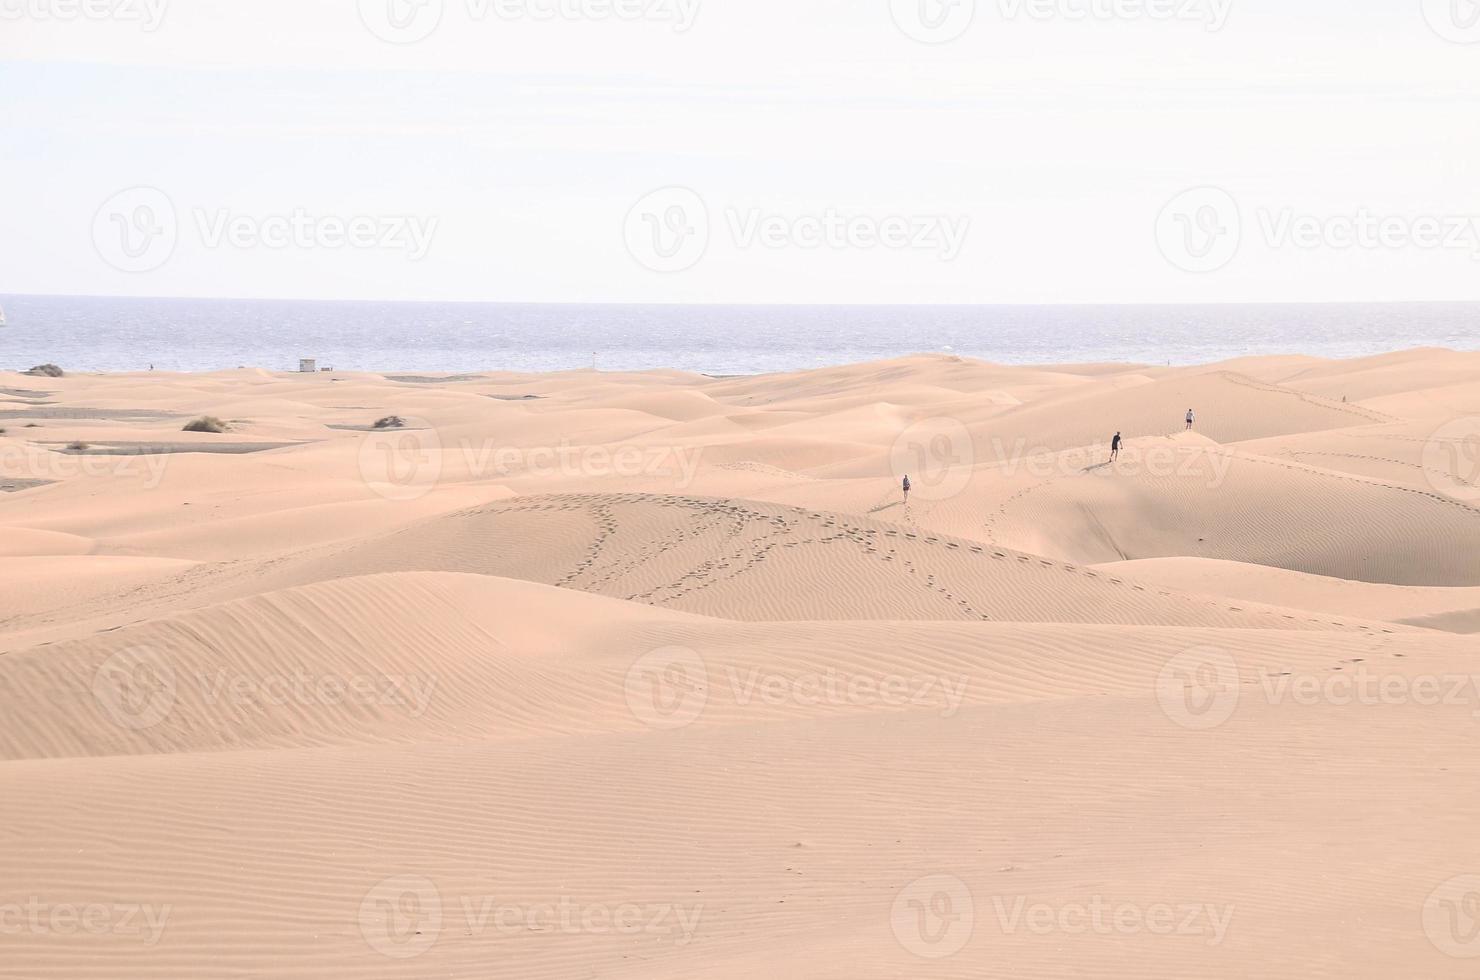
(116, 334)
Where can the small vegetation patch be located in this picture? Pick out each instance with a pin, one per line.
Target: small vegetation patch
(78, 446)
(46, 371)
(390, 422)
(206, 423)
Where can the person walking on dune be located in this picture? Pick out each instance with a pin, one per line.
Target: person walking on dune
(907, 490)
(1189, 420)
(1115, 448)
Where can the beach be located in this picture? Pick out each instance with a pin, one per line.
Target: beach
(661, 674)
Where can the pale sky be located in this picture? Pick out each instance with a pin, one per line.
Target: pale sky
(510, 150)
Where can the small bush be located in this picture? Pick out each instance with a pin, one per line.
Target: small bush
(391, 422)
(206, 423)
(2, 430)
(46, 371)
(78, 446)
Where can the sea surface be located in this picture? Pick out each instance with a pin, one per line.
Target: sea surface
(115, 334)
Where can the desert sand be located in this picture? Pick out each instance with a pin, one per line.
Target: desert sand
(657, 675)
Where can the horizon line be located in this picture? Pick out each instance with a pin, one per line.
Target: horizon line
(755, 303)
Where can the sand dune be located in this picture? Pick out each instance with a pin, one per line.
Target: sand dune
(452, 661)
(1214, 504)
(1233, 407)
(734, 559)
(657, 675)
(1370, 378)
(1386, 453)
(745, 560)
(1458, 607)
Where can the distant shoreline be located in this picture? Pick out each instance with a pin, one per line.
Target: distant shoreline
(491, 374)
(111, 334)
